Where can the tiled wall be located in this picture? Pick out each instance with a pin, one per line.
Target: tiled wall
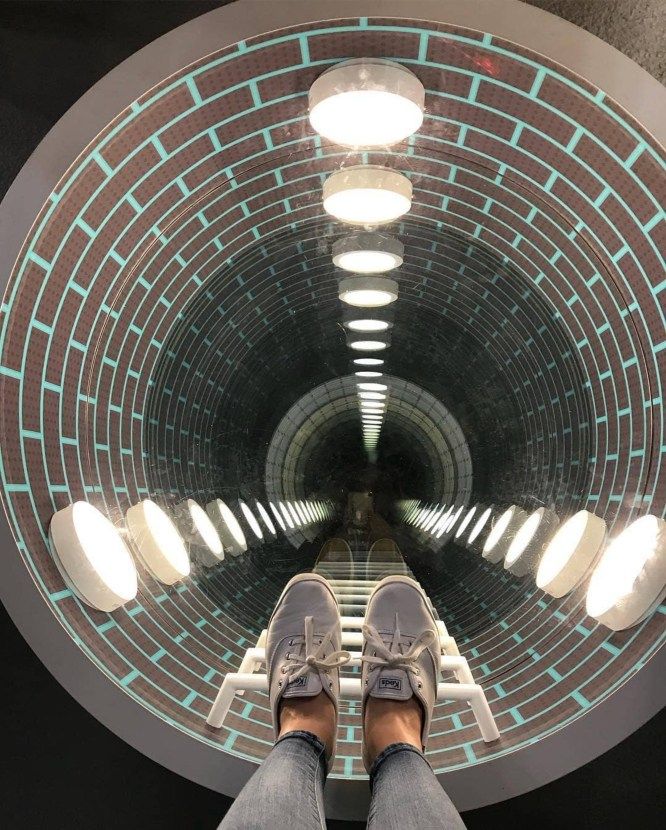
(533, 167)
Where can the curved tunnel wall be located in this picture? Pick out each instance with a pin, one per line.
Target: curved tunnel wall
(445, 452)
(532, 189)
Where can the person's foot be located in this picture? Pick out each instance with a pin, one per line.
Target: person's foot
(303, 659)
(401, 659)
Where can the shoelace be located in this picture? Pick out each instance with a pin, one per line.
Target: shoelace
(390, 656)
(296, 666)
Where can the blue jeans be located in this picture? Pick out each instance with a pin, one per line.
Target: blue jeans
(288, 791)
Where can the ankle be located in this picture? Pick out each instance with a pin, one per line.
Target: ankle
(391, 722)
(310, 714)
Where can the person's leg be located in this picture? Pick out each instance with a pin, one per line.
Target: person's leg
(286, 791)
(405, 791)
(401, 658)
(303, 657)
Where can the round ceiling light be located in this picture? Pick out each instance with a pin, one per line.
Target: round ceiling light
(286, 515)
(571, 553)
(475, 534)
(92, 557)
(437, 521)
(367, 324)
(306, 516)
(250, 518)
(228, 527)
(303, 519)
(368, 345)
(439, 527)
(198, 530)
(294, 514)
(278, 517)
(502, 534)
(450, 523)
(629, 581)
(372, 387)
(368, 374)
(368, 361)
(368, 292)
(265, 518)
(529, 541)
(367, 195)
(368, 253)
(366, 102)
(462, 527)
(157, 542)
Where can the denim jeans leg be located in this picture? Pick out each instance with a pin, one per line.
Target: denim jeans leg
(286, 791)
(406, 794)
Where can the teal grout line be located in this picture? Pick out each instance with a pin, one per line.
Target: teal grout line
(129, 677)
(538, 80)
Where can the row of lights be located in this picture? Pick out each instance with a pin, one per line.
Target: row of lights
(367, 103)
(96, 562)
(627, 576)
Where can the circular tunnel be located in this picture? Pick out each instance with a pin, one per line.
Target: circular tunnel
(171, 330)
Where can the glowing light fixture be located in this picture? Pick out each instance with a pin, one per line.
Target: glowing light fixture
(434, 522)
(368, 345)
(277, 515)
(228, 527)
(367, 194)
(198, 530)
(368, 292)
(372, 387)
(157, 542)
(479, 526)
(368, 374)
(371, 396)
(366, 102)
(301, 512)
(368, 253)
(368, 361)
(437, 528)
(265, 518)
(249, 517)
(528, 543)
(462, 527)
(286, 515)
(629, 581)
(502, 534)
(294, 514)
(571, 553)
(367, 324)
(449, 523)
(92, 556)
